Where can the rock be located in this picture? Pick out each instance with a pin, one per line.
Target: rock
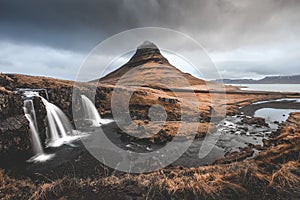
(14, 128)
(5, 80)
(244, 128)
(236, 156)
(41, 114)
(258, 121)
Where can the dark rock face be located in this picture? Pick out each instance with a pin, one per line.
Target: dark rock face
(14, 135)
(10, 105)
(62, 97)
(258, 121)
(14, 127)
(41, 114)
(102, 100)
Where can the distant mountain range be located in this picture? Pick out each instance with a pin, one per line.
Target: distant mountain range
(267, 80)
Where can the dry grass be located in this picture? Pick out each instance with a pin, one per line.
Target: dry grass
(11, 188)
(241, 180)
(286, 181)
(56, 189)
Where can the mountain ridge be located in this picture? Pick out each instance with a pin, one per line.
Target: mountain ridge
(294, 79)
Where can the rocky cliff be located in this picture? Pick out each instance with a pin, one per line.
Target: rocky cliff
(15, 137)
(14, 128)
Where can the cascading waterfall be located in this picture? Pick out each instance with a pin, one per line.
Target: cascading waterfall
(37, 147)
(59, 127)
(36, 143)
(91, 112)
(59, 131)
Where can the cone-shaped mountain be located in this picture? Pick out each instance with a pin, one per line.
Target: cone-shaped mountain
(149, 67)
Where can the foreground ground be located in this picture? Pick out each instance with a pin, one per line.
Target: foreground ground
(272, 174)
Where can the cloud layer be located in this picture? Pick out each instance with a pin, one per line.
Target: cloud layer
(245, 38)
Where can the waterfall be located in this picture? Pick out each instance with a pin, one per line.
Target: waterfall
(91, 112)
(36, 143)
(28, 105)
(37, 147)
(59, 126)
(59, 130)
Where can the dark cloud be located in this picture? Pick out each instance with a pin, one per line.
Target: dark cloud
(64, 24)
(220, 25)
(77, 25)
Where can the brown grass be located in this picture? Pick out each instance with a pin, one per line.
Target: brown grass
(242, 180)
(11, 188)
(286, 181)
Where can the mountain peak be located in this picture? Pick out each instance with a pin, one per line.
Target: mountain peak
(147, 52)
(147, 45)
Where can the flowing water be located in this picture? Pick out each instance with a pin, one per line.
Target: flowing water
(59, 127)
(231, 135)
(91, 113)
(59, 130)
(29, 110)
(36, 143)
(37, 148)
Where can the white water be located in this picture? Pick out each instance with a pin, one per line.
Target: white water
(59, 126)
(29, 109)
(59, 131)
(36, 143)
(91, 112)
(41, 158)
(37, 148)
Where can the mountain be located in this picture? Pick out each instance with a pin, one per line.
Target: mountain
(281, 79)
(150, 68)
(267, 80)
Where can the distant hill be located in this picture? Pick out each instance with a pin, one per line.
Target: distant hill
(267, 80)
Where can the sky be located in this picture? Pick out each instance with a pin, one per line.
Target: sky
(244, 38)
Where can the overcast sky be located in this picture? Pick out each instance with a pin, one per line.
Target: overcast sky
(246, 39)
